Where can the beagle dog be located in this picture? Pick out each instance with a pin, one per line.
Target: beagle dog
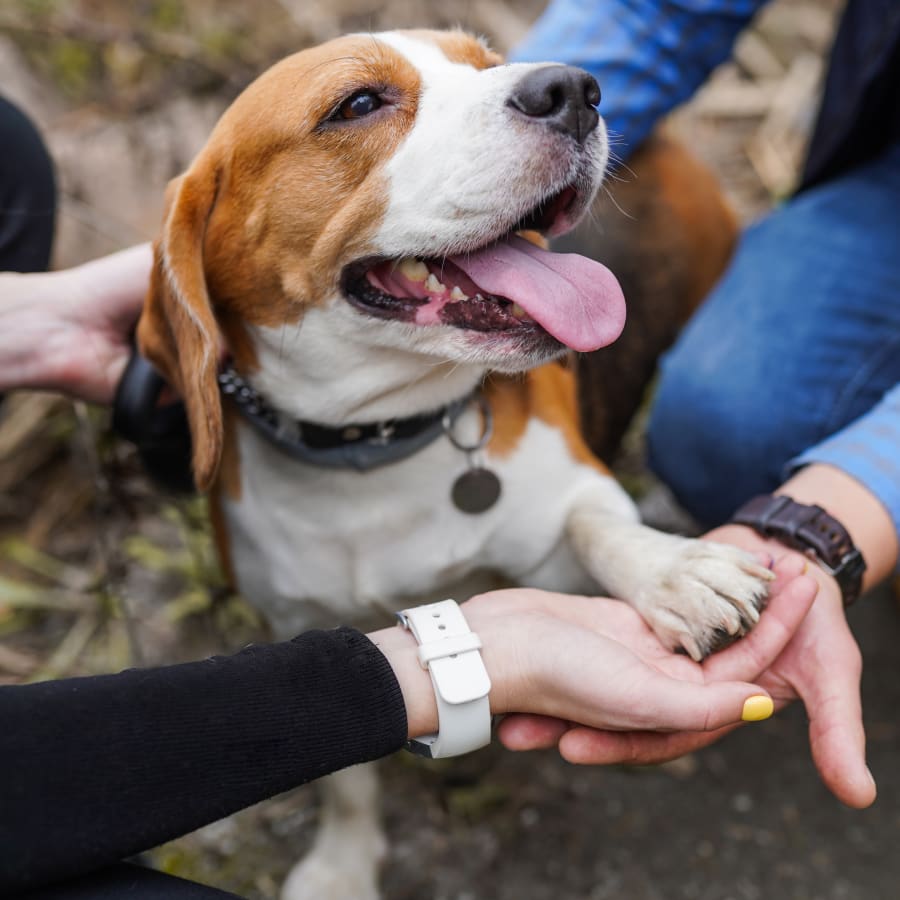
(399, 423)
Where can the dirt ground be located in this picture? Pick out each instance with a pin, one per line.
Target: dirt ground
(98, 571)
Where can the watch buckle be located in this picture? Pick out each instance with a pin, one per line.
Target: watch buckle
(850, 566)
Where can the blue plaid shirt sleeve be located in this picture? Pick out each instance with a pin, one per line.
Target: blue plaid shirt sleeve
(648, 55)
(869, 450)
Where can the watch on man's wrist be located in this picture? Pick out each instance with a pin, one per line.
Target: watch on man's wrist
(812, 531)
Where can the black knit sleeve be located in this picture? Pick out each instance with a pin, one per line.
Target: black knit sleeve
(96, 769)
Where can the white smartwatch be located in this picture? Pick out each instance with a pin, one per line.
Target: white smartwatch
(451, 652)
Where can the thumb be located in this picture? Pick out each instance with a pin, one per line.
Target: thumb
(836, 735)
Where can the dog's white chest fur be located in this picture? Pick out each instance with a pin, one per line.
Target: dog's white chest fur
(314, 546)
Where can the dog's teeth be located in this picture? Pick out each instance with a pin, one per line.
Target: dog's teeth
(413, 269)
(433, 285)
(457, 294)
(518, 312)
(478, 297)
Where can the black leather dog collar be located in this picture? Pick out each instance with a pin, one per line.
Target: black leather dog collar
(163, 440)
(361, 447)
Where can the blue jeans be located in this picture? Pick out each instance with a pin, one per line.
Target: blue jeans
(795, 356)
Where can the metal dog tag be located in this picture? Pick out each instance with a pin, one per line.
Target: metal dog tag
(476, 490)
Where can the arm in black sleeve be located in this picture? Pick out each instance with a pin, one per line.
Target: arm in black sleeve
(96, 769)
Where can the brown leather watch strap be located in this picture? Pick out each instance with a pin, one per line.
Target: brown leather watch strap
(810, 530)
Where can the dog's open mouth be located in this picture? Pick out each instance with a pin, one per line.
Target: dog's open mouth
(509, 286)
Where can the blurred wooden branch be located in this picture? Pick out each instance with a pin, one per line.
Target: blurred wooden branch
(24, 415)
(20, 595)
(68, 650)
(778, 147)
(15, 662)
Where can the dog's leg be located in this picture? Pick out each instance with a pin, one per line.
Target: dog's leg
(350, 844)
(693, 593)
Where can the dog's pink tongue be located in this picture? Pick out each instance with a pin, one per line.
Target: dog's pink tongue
(576, 299)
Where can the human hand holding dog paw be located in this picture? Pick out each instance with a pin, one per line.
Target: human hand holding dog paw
(820, 664)
(579, 659)
(791, 598)
(814, 658)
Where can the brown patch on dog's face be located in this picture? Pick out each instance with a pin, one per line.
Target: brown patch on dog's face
(288, 189)
(460, 47)
(302, 193)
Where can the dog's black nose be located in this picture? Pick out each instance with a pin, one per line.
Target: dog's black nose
(562, 96)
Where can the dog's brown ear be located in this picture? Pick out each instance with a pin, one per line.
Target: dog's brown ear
(177, 331)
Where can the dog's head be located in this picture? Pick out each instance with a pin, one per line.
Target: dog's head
(358, 207)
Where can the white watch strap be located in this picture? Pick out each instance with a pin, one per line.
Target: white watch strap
(450, 652)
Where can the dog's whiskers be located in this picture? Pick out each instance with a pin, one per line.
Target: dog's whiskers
(615, 203)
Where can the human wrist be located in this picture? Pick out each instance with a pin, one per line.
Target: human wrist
(506, 693)
(400, 650)
(850, 502)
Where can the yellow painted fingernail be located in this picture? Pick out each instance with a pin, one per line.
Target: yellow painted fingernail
(757, 708)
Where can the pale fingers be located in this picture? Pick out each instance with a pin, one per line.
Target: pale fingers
(703, 719)
(660, 704)
(668, 704)
(792, 597)
(583, 745)
(830, 691)
(589, 746)
(524, 731)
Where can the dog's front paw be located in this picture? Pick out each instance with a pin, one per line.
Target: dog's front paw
(704, 596)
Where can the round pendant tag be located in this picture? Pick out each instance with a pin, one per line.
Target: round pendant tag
(476, 490)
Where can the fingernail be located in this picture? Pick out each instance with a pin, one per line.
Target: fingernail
(871, 776)
(757, 708)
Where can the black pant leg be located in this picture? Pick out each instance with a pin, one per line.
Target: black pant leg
(128, 882)
(27, 194)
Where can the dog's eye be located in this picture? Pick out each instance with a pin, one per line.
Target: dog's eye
(362, 103)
